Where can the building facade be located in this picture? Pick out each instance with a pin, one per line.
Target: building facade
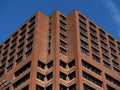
(60, 52)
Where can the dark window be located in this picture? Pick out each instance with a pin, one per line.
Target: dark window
(49, 51)
(62, 24)
(62, 87)
(63, 76)
(72, 75)
(63, 64)
(50, 76)
(63, 44)
(106, 64)
(83, 31)
(92, 25)
(41, 65)
(26, 88)
(91, 67)
(39, 87)
(63, 37)
(85, 51)
(110, 88)
(21, 81)
(19, 60)
(49, 87)
(83, 25)
(112, 80)
(63, 31)
(95, 51)
(84, 44)
(92, 79)
(72, 87)
(40, 76)
(96, 58)
(71, 63)
(50, 64)
(86, 87)
(23, 69)
(82, 18)
(83, 37)
(63, 51)
(28, 53)
(10, 67)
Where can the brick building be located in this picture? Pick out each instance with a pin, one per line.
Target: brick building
(60, 52)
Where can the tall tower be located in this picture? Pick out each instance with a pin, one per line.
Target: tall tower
(60, 52)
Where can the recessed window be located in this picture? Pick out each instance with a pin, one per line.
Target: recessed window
(72, 87)
(72, 75)
(39, 87)
(40, 76)
(63, 64)
(50, 76)
(71, 64)
(63, 76)
(63, 51)
(62, 87)
(50, 64)
(49, 87)
(41, 65)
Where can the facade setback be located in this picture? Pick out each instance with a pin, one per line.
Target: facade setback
(60, 52)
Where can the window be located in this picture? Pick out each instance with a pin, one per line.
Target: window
(62, 87)
(63, 51)
(114, 57)
(63, 76)
(41, 65)
(63, 44)
(83, 31)
(95, 51)
(110, 88)
(85, 51)
(107, 65)
(94, 44)
(91, 67)
(62, 18)
(111, 38)
(72, 87)
(10, 67)
(49, 44)
(82, 18)
(1, 73)
(83, 37)
(39, 87)
(28, 53)
(26, 88)
(92, 31)
(94, 38)
(86, 87)
(101, 32)
(83, 25)
(103, 44)
(49, 87)
(116, 70)
(63, 37)
(63, 64)
(50, 64)
(7, 88)
(63, 31)
(92, 79)
(105, 57)
(96, 58)
(21, 81)
(72, 75)
(40, 76)
(49, 51)
(50, 76)
(104, 51)
(23, 28)
(62, 24)
(92, 25)
(71, 64)
(20, 53)
(22, 69)
(10, 61)
(84, 44)
(112, 80)
(19, 60)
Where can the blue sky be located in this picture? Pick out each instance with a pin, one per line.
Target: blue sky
(13, 13)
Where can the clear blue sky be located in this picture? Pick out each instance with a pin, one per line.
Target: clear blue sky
(13, 13)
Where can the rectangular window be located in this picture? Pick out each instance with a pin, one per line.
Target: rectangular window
(92, 79)
(41, 65)
(49, 76)
(83, 25)
(63, 76)
(91, 67)
(40, 76)
(106, 64)
(96, 58)
(63, 51)
(22, 69)
(63, 64)
(72, 87)
(63, 44)
(50, 64)
(21, 81)
(63, 37)
(112, 80)
(71, 64)
(86, 87)
(84, 44)
(62, 87)
(72, 75)
(85, 51)
(39, 87)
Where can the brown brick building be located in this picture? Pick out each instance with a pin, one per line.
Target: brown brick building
(60, 53)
